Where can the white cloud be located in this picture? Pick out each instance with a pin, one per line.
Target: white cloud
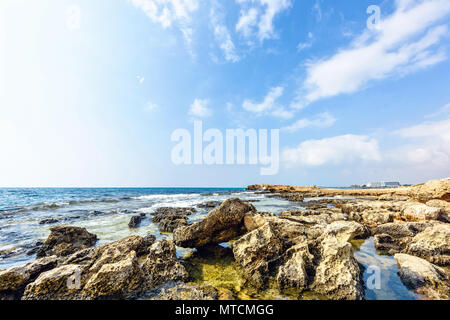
(444, 110)
(200, 108)
(140, 79)
(151, 106)
(222, 34)
(427, 143)
(323, 120)
(305, 45)
(169, 12)
(257, 18)
(406, 41)
(335, 150)
(318, 10)
(269, 105)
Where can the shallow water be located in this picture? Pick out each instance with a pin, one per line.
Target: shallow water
(106, 213)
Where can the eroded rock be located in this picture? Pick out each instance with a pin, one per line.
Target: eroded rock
(423, 277)
(220, 225)
(65, 240)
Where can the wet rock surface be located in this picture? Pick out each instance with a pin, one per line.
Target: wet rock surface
(65, 240)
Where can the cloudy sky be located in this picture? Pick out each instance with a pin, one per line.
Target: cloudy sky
(91, 91)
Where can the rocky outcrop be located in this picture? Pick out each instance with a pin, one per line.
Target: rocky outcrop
(444, 206)
(209, 204)
(434, 189)
(344, 231)
(420, 212)
(433, 244)
(392, 238)
(65, 240)
(162, 264)
(220, 225)
(338, 274)
(135, 221)
(256, 252)
(168, 219)
(119, 270)
(423, 277)
(14, 280)
(293, 273)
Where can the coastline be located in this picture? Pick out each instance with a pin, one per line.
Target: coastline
(325, 245)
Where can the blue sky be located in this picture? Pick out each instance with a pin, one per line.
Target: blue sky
(90, 91)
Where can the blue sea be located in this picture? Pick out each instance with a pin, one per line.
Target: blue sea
(26, 214)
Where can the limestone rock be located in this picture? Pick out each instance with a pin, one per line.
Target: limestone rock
(434, 189)
(433, 244)
(420, 212)
(444, 206)
(65, 240)
(135, 221)
(256, 251)
(423, 277)
(162, 265)
(293, 273)
(338, 274)
(345, 231)
(220, 225)
(14, 280)
(61, 283)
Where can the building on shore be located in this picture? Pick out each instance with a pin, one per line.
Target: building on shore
(382, 184)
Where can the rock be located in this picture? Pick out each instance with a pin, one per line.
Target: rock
(386, 243)
(423, 277)
(444, 206)
(293, 273)
(434, 189)
(119, 280)
(135, 221)
(162, 265)
(400, 230)
(14, 280)
(168, 219)
(209, 204)
(433, 244)
(122, 269)
(61, 283)
(220, 225)
(338, 274)
(252, 221)
(256, 252)
(65, 240)
(420, 212)
(48, 221)
(345, 231)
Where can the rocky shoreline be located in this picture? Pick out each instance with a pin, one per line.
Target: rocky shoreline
(306, 252)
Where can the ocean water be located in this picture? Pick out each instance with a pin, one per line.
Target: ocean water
(107, 211)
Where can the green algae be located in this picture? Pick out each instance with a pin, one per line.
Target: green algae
(216, 266)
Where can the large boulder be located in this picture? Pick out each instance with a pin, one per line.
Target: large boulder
(338, 274)
(118, 280)
(61, 283)
(294, 272)
(65, 240)
(420, 212)
(433, 244)
(434, 189)
(168, 219)
(119, 270)
(14, 280)
(256, 252)
(220, 225)
(345, 231)
(444, 206)
(162, 265)
(423, 277)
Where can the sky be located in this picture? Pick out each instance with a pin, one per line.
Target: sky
(91, 91)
